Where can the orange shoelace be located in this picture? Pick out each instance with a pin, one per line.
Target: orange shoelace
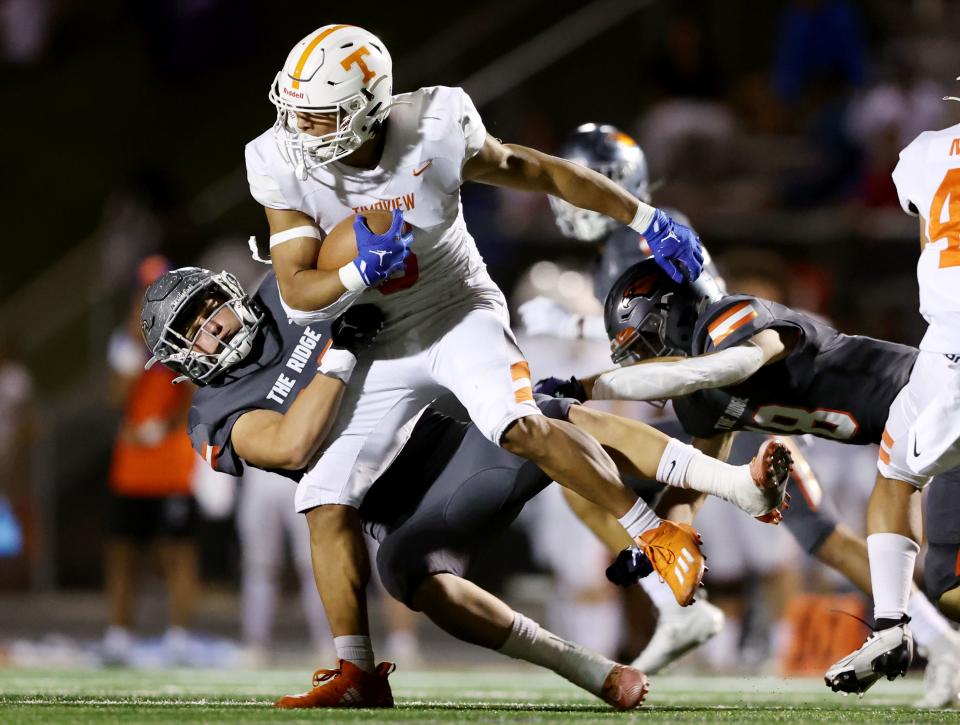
(655, 552)
(322, 675)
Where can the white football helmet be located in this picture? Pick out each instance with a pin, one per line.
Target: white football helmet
(338, 69)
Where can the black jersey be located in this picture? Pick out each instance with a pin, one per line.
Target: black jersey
(830, 385)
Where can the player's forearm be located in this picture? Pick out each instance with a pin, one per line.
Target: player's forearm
(310, 290)
(576, 184)
(305, 425)
(290, 441)
(659, 380)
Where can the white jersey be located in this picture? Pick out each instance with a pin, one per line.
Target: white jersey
(927, 178)
(431, 133)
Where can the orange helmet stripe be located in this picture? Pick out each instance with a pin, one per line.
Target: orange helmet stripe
(310, 48)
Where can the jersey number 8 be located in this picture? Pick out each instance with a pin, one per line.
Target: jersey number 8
(822, 422)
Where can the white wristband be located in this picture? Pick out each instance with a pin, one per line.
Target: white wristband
(337, 363)
(350, 277)
(287, 234)
(643, 218)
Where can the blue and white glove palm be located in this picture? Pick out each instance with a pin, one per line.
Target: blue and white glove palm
(675, 247)
(380, 255)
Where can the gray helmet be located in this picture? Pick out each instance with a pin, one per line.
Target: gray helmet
(647, 314)
(609, 151)
(173, 302)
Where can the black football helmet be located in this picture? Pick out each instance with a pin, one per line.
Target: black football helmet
(173, 302)
(647, 314)
(614, 154)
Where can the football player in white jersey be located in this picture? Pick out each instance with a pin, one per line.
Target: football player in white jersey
(342, 143)
(922, 435)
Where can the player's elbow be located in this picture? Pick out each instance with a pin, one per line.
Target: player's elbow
(296, 455)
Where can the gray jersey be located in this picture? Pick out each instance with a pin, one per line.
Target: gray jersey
(830, 385)
(281, 364)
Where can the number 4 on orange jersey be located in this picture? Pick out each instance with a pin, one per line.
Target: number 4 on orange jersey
(948, 228)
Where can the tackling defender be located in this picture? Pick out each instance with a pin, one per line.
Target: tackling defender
(445, 491)
(342, 143)
(748, 363)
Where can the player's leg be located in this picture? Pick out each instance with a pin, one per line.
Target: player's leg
(646, 452)
(893, 526)
(473, 615)
(479, 361)
(421, 563)
(298, 535)
(342, 571)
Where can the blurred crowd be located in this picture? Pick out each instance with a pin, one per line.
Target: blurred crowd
(777, 142)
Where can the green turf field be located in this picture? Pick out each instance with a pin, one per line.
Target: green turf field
(504, 695)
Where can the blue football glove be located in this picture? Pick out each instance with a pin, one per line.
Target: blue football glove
(380, 255)
(557, 388)
(675, 247)
(630, 566)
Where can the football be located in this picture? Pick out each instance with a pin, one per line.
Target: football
(340, 245)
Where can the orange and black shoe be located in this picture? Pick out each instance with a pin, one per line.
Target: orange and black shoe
(345, 686)
(674, 551)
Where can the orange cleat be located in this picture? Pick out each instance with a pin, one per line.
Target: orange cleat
(346, 686)
(674, 551)
(625, 687)
(770, 470)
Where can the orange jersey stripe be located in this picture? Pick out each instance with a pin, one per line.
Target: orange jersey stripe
(887, 438)
(520, 370)
(734, 327)
(310, 48)
(884, 456)
(523, 394)
(726, 315)
(324, 350)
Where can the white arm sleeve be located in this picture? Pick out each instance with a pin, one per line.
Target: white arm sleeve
(331, 311)
(659, 380)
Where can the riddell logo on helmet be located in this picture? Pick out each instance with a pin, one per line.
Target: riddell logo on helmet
(292, 94)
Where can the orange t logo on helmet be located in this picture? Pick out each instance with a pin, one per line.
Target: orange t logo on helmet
(356, 58)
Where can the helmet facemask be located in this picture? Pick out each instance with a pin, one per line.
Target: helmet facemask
(357, 119)
(648, 341)
(177, 346)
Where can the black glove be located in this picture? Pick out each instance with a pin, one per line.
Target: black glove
(557, 388)
(357, 328)
(630, 566)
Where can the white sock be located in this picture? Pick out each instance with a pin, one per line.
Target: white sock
(639, 518)
(355, 648)
(931, 630)
(672, 469)
(660, 594)
(528, 641)
(684, 466)
(892, 559)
